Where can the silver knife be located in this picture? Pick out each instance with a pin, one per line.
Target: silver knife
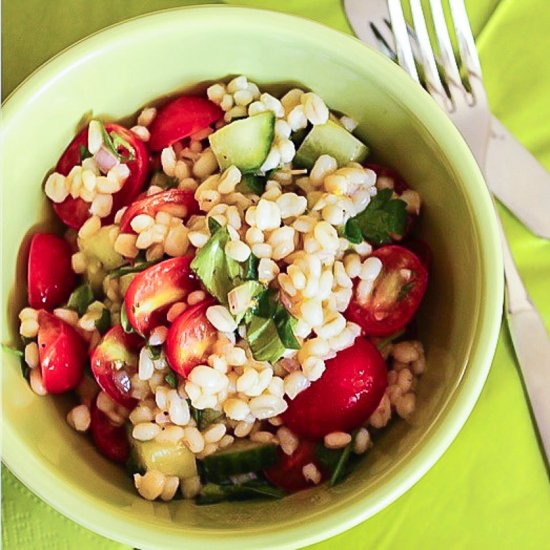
(513, 174)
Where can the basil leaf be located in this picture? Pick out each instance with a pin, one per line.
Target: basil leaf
(212, 493)
(251, 183)
(84, 153)
(353, 232)
(383, 342)
(382, 218)
(160, 179)
(218, 273)
(207, 417)
(155, 351)
(171, 379)
(263, 339)
(341, 466)
(404, 290)
(126, 326)
(270, 328)
(135, 268)
(113, 141)
(103, 324)
(335, 460)
(80, 298)
(251, 268)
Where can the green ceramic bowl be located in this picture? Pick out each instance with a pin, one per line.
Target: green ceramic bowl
(117, 71)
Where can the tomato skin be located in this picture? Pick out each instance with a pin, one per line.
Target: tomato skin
(385, 311)
(189, 338)
(181, 118)
(177, 201)
(74, 212)
(344, 397)
(62, 353)
(116, 345)
(110, 440)
(153, 290)
(287, 474)
(50, 278)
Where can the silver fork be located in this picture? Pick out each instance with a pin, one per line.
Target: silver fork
(468, 108)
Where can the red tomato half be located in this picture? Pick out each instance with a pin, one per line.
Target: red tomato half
(153, 290)
(396, 293)
(190, 338)
(287, 473)
(181, 118)
(344, 397)
(74, 212)
(50, 278)
(113, 362)
(178, 202)
(110, 440)
(62, 353)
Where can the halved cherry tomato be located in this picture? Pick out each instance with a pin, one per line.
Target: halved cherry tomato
(287, 473)
(396, 293)
(50, 278)
(74, 212)
(110, 440)
(189, 338)
(113, 362)
(62, 353)
(181, 118)
(344, 397)
(153, 290)
(178, 202)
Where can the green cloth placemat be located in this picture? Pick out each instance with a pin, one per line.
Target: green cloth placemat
(490, 489)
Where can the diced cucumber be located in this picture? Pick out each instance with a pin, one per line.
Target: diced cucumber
(124, 282)
(330, 139)
(240, 458)
(100, 247)
(171, 459)
(244, 143)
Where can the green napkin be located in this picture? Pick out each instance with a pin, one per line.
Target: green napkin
(490, 489)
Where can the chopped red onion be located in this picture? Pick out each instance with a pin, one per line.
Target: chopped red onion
(105, 159)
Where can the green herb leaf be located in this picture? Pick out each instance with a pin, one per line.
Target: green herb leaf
(335, 460)
(383, 342)
(160, 179)
(135, 268)
(155, 351)
(382, 218)
(404, 290)
(251, 183)
(270, 328)
(126, 326)
(171, 379)
(353, 232)
(80, 298)
(103, 324)
(251, 268)
(84, 153)
(212, 493)
(218, 273)
(207, 417)
(341, 466)
(114, 141)
(263, 339)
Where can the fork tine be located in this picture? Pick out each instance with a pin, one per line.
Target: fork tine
(433, 81)
(402, 44)
(446, 52)
(465, 38)
(384, 38)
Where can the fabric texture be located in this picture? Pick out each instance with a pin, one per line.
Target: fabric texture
(490, 489)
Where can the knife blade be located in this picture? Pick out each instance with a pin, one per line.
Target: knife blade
(513, 174)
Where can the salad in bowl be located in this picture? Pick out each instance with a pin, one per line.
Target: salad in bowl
(232, 302)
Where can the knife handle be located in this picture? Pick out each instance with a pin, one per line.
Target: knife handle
(531, 344)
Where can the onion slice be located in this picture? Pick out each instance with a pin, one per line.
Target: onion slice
(105, 159)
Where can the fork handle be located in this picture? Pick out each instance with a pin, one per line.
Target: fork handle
(531, 344)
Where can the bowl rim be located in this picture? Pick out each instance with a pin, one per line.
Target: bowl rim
(89, 511)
